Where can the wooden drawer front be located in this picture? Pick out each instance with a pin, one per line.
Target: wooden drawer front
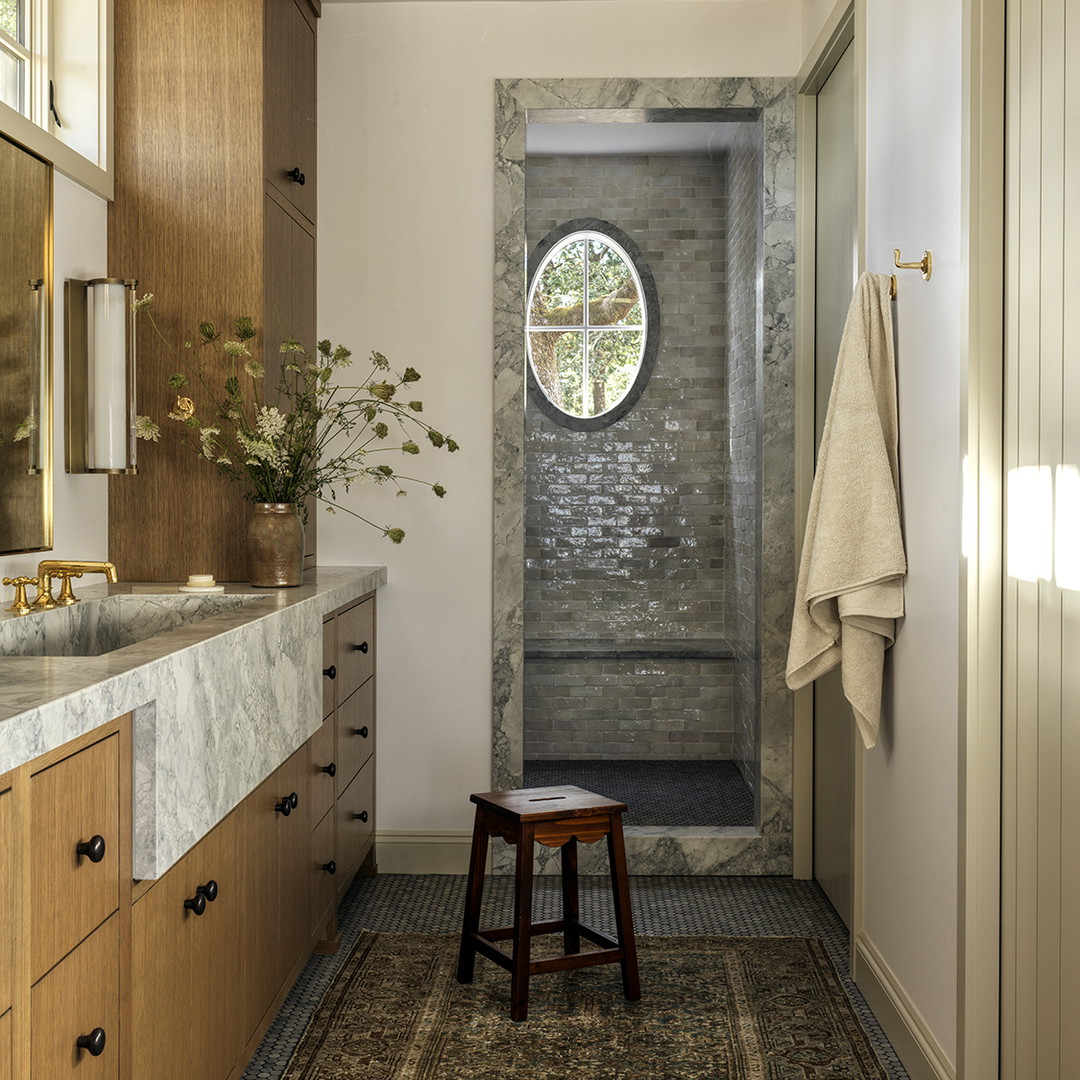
(321, 786)
(355, 648)
(353, 831)
(71, 803)
(7, 874)
(322, 881)
(5, 1046)
(75, 998)
(355, 733)
(329, 662)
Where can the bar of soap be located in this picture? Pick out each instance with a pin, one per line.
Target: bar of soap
(200, 581)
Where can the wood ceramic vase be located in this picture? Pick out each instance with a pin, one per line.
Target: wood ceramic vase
(275, 546)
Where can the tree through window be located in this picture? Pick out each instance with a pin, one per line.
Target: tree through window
(588, 323)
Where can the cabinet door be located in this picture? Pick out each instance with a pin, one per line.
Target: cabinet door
(356, 647)
(185, 998)
(355, 822)
(73, 803)
(7, 929)
(5, 1046)
(322, 872)
(290, 102)
(276, 848)
(76, 998)
(355, 733)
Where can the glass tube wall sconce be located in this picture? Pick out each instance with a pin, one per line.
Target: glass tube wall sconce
(99, 375)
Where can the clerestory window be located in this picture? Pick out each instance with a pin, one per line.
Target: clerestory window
(591, 325)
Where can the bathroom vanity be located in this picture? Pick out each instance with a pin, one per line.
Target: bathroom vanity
(186, 790)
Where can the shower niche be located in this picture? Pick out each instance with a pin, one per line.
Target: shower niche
(650, 625)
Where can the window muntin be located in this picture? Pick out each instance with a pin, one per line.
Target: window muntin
(587, 325)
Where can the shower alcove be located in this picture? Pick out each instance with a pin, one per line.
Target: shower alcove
(643, 567)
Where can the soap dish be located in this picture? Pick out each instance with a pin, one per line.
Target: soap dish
(200, 588)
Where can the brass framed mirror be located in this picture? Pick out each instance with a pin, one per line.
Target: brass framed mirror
(25, 351)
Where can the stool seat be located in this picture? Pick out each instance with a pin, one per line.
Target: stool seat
(558, 817)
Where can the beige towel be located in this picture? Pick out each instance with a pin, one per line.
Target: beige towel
(851, 578)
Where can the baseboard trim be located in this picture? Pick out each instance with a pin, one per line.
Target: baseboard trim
(911, 1038)
(409, 851)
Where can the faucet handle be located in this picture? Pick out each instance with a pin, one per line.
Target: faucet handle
(66, 596)
(19, 604)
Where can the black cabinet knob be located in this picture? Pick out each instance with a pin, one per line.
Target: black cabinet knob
(361, 731)
(196, 903)
(362, 816)
(330, 672)
(362, 647)
(330, 867)
(294, 800)
(296, 176)
(93, 849)
(284, 808)
(209, 890)
(94, 1042)
(330, 770)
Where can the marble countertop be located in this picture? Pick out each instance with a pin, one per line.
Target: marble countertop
(217, 704)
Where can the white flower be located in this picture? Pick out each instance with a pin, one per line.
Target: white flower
(254, 368)
(25, 429)
(145, 428)
(235, 348)
(270, 423)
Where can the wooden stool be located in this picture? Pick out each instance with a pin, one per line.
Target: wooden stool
(557, 817)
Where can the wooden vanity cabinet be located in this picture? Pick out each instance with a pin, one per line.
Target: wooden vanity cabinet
(215, 107)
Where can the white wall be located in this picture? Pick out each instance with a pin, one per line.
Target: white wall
(406, 104)
(913, 200)
(80, 525)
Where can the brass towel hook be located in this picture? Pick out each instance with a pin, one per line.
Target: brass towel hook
(926, 264)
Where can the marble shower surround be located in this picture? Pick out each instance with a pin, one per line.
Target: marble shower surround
(767, 849)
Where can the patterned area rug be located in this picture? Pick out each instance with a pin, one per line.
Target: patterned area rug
(712, 1008)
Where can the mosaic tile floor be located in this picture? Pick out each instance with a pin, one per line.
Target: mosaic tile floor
(658, 792)
(394, 903)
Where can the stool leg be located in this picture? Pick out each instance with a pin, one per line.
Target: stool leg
(624, 921)
(519, 978)
(473, 897)
(570, 911)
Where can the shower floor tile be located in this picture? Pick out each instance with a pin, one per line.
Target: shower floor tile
(657, 792)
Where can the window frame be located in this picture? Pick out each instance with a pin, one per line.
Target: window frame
(650, 304)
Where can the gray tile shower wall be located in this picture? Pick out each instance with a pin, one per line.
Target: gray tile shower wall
(745, 409)
(627, 528)
(599, 709)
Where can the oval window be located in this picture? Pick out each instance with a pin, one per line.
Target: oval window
(591, 324)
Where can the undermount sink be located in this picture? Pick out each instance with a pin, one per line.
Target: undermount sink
(96, 627)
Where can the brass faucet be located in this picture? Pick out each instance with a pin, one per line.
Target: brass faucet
(65, 570)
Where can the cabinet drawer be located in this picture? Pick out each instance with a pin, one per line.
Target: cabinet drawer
(73, 803)
(329, 659)
(321, 785)
(356, 820)
(78, 996)
(355, 733)
(355, 648)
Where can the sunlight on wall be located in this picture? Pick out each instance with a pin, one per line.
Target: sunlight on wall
(1043, 524)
